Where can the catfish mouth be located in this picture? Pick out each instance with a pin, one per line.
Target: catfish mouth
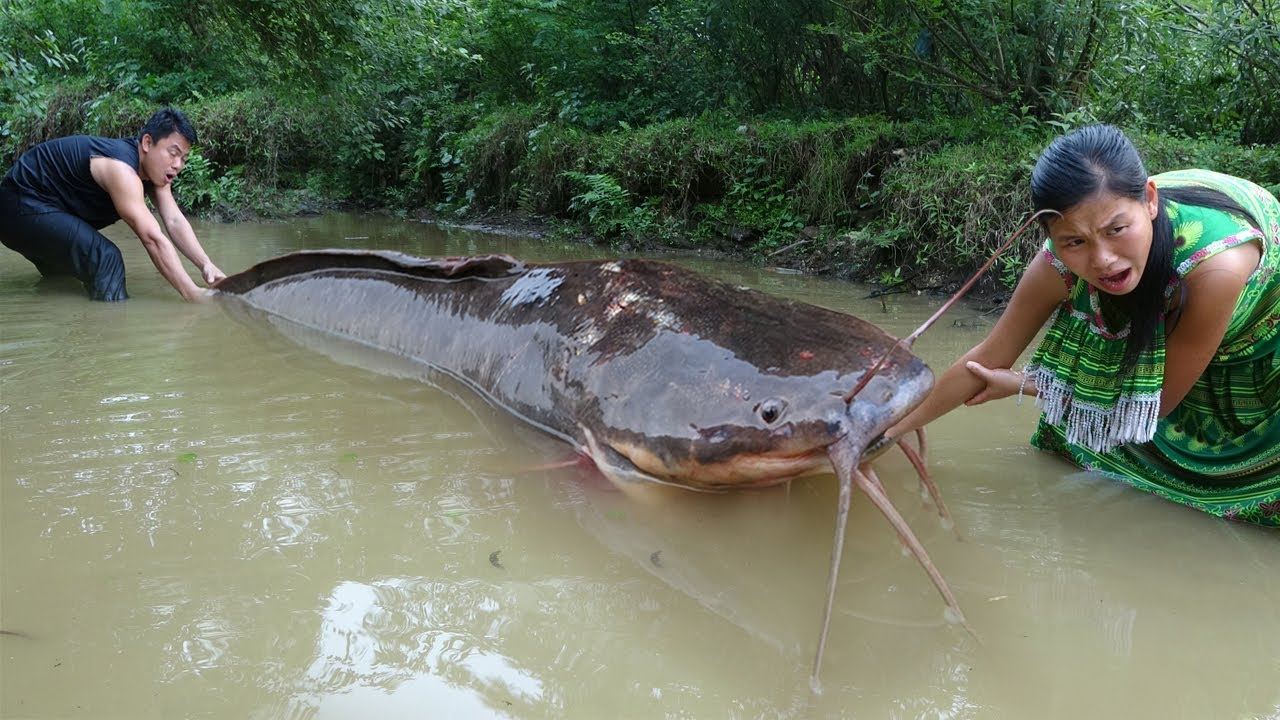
(877, 446)
(772, 464)
(741, 470)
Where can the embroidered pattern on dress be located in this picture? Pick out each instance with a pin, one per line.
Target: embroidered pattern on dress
(1217, 246)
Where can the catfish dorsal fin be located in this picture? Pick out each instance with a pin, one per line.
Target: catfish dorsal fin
(299, 263)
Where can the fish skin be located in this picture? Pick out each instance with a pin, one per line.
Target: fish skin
(656, 372)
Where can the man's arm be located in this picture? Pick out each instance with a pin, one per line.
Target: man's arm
(182, 235)
(125, 188)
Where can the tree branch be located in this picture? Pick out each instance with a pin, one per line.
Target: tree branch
(952, 51)
(1078, 78)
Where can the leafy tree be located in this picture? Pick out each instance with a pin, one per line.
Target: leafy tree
(1195, 68)
(1239, 44)
(1038, 54)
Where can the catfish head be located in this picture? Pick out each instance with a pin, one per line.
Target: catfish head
(690, 412)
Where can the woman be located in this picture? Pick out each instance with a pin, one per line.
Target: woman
(1161, 365)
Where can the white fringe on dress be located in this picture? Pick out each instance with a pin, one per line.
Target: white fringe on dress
(1132, 420)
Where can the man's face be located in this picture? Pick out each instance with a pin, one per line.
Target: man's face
(161, 160)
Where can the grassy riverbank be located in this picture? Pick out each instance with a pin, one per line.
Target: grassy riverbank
(888, 142)
(914, 202)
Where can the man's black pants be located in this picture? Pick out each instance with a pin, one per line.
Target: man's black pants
(59, 243)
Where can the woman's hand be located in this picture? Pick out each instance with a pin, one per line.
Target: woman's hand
(1039, 292)
(999, 383)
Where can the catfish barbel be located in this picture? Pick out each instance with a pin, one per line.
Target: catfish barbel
(656, 373)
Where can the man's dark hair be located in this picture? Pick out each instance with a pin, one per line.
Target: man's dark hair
(167, 121)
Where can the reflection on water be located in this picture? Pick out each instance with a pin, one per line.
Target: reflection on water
(200, 518)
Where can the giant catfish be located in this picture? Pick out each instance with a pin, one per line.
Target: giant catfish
(657, 374)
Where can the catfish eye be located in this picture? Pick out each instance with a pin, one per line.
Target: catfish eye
(770, 410)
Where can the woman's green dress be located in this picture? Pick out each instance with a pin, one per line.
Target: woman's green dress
(1219, 450)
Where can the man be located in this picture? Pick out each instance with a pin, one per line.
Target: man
(60, 192)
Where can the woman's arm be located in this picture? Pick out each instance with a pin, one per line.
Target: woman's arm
(1040, 290)
(1213, 289)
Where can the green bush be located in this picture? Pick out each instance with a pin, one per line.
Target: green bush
(200, 187)
(267, 134)
(1259, 163)
(947, 210)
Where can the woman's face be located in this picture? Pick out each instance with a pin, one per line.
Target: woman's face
(1105, 239)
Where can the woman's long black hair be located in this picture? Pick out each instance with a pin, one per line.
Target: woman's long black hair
(1100, 158)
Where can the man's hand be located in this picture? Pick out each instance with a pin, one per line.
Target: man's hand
(200, 295)
(211, 273)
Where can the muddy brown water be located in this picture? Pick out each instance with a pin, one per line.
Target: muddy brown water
(202, 520)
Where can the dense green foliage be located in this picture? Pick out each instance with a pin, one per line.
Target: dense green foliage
(852, 136)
